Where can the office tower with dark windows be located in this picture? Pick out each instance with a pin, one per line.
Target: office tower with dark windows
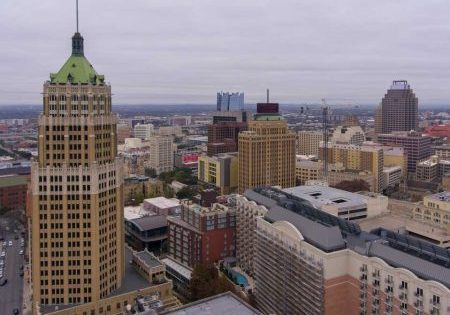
(228, 102)
(76, 183)
(398, 110)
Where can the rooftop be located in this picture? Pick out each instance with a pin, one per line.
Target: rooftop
(132, 281)
(323, 195)
(162, 202)
(223, 304)
(135, 212)
(148, 258)
(150, 222)
(442, 196)
(329, 233)
(12, 180)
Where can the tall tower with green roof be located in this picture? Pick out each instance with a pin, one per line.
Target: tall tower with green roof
(77, 189)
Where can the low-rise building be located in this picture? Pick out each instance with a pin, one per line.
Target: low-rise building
(223, 304)
(163, 206)
(435, 209)
(341, 203)
(306, 170)
(141, 280)
(392, 176)
(432, 169)
(13, 192)
(202, 235)
(148, 232)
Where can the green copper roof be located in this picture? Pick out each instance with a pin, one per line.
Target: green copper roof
(77, 68)
(267, 117)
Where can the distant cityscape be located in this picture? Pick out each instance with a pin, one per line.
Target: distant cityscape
(228, 208)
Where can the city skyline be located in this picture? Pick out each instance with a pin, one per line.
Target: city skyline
(159, 53)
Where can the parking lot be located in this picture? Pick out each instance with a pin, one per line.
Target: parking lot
(11, 270)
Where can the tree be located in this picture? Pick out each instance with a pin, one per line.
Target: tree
(206, 281)
(150, 172)
(187, 192)
(353, 185)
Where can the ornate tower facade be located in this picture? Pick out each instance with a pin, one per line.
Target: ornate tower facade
(77, 189)
(266, 151)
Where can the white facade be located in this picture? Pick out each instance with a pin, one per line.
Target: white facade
(161, 153)
(143, 131)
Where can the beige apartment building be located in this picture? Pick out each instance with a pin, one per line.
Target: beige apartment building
(161, 153)
(307, 142)
(305, 261)
(76, 182)
(266, 152)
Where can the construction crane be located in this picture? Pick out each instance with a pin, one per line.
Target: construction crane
(325, 109)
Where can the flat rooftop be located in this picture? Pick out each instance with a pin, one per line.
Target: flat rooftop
(442, 196)
(132, 281)
(319, 196)
(162, 202)
(223, 304)
(150, 222)
(13, 180)
(149, 259)
(135, 212)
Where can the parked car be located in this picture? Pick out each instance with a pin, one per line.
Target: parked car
(10, 243)
(3, 282)
(21, 252)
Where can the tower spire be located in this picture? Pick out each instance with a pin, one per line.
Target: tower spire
(77, 18)
(77, 39)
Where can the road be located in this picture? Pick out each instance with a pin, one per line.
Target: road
(11, 294)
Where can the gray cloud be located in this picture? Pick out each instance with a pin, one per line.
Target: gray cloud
(159, 51)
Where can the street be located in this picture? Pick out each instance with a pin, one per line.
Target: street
(11, 294)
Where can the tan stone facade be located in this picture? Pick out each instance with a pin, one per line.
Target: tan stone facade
(266, 155)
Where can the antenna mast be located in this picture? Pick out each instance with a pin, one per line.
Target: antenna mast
(77, 17)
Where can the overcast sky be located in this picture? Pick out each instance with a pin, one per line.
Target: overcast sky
(181, 51)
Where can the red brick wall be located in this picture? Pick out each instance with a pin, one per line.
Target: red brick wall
(13, 197)
(341, 296)
(216, 239)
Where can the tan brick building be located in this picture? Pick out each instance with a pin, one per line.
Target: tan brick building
(266, 151)
(76, 184)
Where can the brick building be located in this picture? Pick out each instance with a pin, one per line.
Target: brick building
(223, 136)
(13, 192)
(202, 235)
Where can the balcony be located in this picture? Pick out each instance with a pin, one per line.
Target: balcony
(435, 303)
(403, 296)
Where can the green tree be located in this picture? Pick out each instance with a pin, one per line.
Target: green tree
(187, 192)
(206, 281)
(150, 172)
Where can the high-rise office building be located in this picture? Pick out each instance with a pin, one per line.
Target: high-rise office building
(227, 102)
(266, 150)
(398, 110)
(161, 153)
(143, 131)
(223, 136)
(77, 189)
(308, 142)
(416, 145)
